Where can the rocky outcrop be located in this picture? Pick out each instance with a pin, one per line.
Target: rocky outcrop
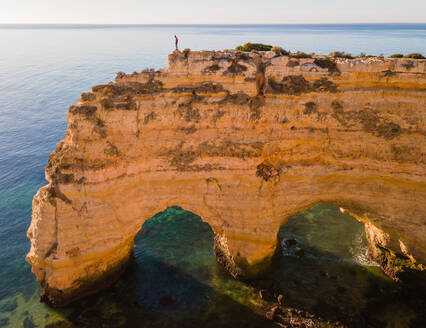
(244, 140)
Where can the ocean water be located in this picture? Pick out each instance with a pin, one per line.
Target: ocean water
(43, 70)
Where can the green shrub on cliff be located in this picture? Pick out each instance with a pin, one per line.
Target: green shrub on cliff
(411, 56)
(415, 56)
(254, 47)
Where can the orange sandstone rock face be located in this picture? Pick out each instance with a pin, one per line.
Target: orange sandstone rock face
(244, 155)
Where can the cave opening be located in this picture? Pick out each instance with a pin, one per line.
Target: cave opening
(174, 276)
(323, 267)
(173, 257)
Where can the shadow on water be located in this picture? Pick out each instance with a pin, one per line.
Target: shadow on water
(176, 300)
(324, 269)
(337, 291)
(175, 281)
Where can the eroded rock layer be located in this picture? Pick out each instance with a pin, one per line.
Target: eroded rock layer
(243, 140)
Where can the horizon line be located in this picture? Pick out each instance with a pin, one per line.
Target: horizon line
(209, 24)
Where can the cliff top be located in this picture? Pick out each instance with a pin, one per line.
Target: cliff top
(238, 63)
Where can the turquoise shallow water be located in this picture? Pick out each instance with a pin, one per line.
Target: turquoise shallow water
(43, 70)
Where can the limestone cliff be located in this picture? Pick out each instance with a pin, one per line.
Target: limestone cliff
(243, 140)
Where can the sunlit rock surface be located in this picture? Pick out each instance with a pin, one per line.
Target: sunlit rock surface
(242, 143)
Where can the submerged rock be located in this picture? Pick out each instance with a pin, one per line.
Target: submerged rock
(299, 252)
(167, 300)
(28, 323)
(9, 306)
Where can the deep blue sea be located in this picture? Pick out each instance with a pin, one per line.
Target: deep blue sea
(44, 69)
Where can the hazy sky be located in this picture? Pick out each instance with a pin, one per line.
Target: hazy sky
(210, 12)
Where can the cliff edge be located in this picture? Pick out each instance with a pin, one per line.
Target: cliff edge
(244, 140)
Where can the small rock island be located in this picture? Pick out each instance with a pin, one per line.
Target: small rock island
(245, 141)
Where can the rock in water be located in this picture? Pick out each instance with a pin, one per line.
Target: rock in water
(271, 315)
(291, 242)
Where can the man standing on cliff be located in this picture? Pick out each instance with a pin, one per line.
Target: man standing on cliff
(176, 42)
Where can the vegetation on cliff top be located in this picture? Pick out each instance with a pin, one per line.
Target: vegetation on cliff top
(279, 51)
(254, 47)
(415, 55)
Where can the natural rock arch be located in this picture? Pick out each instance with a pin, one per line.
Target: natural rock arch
(202, 139)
